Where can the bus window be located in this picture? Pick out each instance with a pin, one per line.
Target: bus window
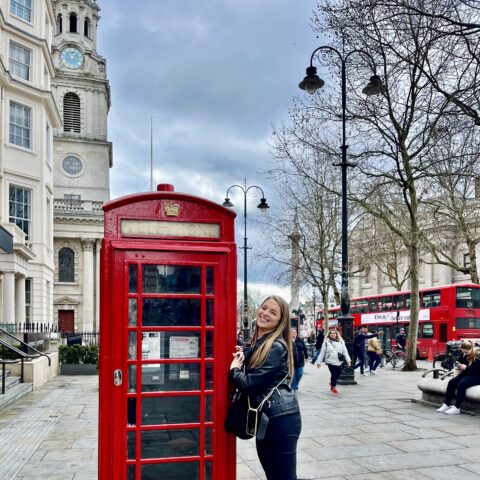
(427, 330)
(397, 302)
(384, 304)
(431, 299)
(467, 323)
(372, 305)
(468, 297)
(407, 301)
(362, 306)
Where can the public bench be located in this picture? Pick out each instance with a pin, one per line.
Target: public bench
(434, 388)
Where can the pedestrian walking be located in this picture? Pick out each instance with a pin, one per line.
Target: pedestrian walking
(359, 347)
(468, 368)
(334, 352)
(300, 354)
(374, 352)
(240, 341)
(269, 365)
(318, 346)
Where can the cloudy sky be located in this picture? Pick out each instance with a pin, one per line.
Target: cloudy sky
(215, 75)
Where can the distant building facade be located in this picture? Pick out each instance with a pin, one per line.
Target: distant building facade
(82, 157)
(28, 117)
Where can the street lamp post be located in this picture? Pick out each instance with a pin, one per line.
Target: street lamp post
(311, 83)
(263, 207)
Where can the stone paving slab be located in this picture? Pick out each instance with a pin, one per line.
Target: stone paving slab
(371, 431)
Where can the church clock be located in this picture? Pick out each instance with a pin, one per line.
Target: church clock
(71, 57)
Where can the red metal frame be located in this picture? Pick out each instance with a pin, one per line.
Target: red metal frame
(118, 252)
(445, 313)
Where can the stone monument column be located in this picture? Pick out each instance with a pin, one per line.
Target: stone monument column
(8, 296)
(19, 300)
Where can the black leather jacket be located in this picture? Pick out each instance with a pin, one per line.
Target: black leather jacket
(258, 382)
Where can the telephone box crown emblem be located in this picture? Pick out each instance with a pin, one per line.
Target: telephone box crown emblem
(171, 209)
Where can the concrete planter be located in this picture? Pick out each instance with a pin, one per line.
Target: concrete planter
(78, 369)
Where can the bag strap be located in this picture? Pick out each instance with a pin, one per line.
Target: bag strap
(267, 396)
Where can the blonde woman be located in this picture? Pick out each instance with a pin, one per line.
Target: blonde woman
(334, 352)
(469, 366)
(269, 362)
(374, 352)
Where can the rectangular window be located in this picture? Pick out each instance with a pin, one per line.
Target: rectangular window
(470, 323)
(427, 330)
(21, 9)
(20, 128)
(28, 300)
(385, 304)
(397, 302)
(466, 260)
(431, 299)
(20, 61)
(468, 297)
(372, 305)
(19, 208)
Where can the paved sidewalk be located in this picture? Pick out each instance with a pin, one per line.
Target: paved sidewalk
(371, 431)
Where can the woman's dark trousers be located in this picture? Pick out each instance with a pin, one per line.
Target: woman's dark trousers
(335, 371)
(278, 450)
(460, 383)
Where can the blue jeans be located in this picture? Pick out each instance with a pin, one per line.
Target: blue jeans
(297, 376)
(360, 361)
(373, 361)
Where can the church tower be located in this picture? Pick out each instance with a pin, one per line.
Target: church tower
(82, 158)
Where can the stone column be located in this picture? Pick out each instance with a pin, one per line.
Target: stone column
(8, 297)
(88, 285)
(98, 246)
(19, 300)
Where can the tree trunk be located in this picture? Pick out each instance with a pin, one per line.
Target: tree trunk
(411, 355)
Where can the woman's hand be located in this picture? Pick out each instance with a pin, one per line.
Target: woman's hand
(461, 366)
(238, 360)
(319, 365)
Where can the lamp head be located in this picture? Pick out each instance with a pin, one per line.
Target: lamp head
(374, 87)
(263, 205)
(312, 82)
(227, 203)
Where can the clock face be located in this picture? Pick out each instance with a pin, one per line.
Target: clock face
(71, 57)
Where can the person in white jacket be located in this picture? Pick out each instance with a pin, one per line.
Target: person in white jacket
(334, 352)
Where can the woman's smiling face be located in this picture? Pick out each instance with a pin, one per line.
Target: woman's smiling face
(268, 316)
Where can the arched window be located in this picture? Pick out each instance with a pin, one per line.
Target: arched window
(86, 27)
(73, 23)
(66, 265)
(59, 23)
(71, 113)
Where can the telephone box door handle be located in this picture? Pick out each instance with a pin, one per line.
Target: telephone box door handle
(117, 377)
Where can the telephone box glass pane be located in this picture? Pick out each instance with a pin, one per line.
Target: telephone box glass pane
(156, 345)
(171, 377)
(209, 315)
(171, 279)
(208, 408)
(131, 444)
(210, 281)
(132, 378)
(132, 345)
(209, 345)
(132, 312)
(208, 471)
(132, 278)
(170, 443)
(209, 376)
(131, 411)
(171, 410)
(208, 441)
(161, 312)
(131, 472)
(170, 471)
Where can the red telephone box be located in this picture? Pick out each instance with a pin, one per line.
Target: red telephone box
(168, 321)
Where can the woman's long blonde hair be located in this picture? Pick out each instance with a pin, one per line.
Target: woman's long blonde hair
(472, 353)
(282, 331)
(338, 338)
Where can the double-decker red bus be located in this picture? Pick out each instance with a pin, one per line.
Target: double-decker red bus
(450, 312)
